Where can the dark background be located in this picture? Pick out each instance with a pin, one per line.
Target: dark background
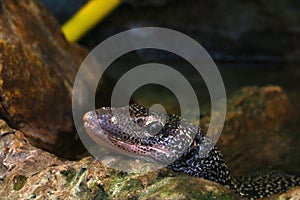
(252, 42)
(234, 30)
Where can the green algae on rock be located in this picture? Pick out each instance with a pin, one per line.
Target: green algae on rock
(19, 181)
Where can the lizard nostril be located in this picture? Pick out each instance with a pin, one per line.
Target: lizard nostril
(85, 117)
(88, 116)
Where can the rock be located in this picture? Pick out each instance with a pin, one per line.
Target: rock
(37, 71)
(255, 134)
(291, 194)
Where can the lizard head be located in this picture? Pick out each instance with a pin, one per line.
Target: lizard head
(137, 132)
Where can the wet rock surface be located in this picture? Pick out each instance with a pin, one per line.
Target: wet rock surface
(37, 71)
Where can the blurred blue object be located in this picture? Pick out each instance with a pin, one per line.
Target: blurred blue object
(63, 9)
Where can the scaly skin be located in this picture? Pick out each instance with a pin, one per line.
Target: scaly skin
(170, 140)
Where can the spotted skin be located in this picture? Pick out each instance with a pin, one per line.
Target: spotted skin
(168, 139)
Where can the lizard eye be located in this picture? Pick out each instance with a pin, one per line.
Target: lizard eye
(154, 127)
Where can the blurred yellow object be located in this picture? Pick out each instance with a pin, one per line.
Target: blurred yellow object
(87, 17)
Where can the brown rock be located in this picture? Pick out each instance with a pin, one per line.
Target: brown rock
(18, 157)
(291, 194)
(254, 136)
(37, 71)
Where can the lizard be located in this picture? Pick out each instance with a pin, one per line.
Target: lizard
(171, 140)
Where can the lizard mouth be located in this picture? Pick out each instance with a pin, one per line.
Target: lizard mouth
(143, 152)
